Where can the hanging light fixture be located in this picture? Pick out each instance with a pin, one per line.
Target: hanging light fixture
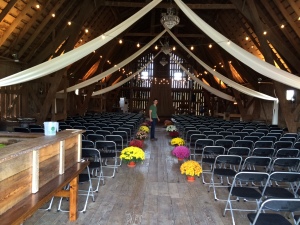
(163, 61)
(169, 19)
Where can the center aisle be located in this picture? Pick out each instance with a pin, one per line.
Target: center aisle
(152, 193)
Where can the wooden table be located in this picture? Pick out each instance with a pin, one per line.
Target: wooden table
(25, 208)
(28, 168)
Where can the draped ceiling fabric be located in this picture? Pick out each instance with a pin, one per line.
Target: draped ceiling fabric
(205, 86)
(226, 80)
(112, 87)
(115, 68)
(239, 53)
(74, 55)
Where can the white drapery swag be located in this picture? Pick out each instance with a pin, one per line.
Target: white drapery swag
(239, 53)
(205, 86)
(70, 57)
(115, 68)
(112, 87)
(226, 80)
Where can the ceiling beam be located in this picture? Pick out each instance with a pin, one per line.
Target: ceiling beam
(166, 5)
(155, 34)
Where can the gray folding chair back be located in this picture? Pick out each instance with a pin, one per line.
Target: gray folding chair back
(263, 144)
(256, 164)
(224, 166)
(275, 205)
(282, 185)
(244, 143)
(266, 152)
(240, 188)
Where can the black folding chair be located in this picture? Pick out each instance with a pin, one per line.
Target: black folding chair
(224, 166)
(108, 150)
(199, 145)
(264, 152)
(240, 188)
(282, 185)
(209, 155)
(256, 164)
(244, 143)
(93, 155)
(287, 153)
(226, 143)
(263, 144)
(275, 205)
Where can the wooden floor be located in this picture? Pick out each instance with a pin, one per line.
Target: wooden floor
(152, 193)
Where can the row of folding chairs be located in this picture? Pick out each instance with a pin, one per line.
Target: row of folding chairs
(264, 201)
(197, 147)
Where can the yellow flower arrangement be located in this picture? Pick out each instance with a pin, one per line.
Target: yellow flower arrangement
(191, 168)
(132, 153)
(144, 128)
(177, 141)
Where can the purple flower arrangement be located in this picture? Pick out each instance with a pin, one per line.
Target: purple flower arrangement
(181, 152)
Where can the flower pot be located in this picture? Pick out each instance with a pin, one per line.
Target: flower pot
(131, 164)
(190, 178)
(180, 159)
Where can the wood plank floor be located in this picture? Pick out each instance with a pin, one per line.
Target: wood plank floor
(152, 193)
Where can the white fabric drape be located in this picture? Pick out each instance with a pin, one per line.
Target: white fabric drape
(205, 86)
(226, 80)
(70, 57)
(239, 53)
(115, 68)
(112, 87)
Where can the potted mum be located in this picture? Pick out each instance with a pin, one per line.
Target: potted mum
(191, 169)
(141, 135)
(145, 129)
(177, 141)
(174, 134)
(136, 143)
(181, 152)
(131, 155)
(168, 122)
(171, 128)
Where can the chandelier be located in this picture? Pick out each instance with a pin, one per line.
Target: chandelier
(163, 61)
(169, 19)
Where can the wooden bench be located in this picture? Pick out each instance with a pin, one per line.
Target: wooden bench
(25, 208)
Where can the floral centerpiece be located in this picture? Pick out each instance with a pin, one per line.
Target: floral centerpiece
(168, 122)
(171, 128)
(141, 135)
(174, 134)
(177, 141)
(132, 154)
(191, 168)
(145, 129)
(181, 152)
(136, 143)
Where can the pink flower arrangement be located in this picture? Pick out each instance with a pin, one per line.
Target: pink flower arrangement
(181, 152)
(174, 134)
(136, 143)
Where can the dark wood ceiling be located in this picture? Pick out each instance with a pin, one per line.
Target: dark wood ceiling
(33, 35)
